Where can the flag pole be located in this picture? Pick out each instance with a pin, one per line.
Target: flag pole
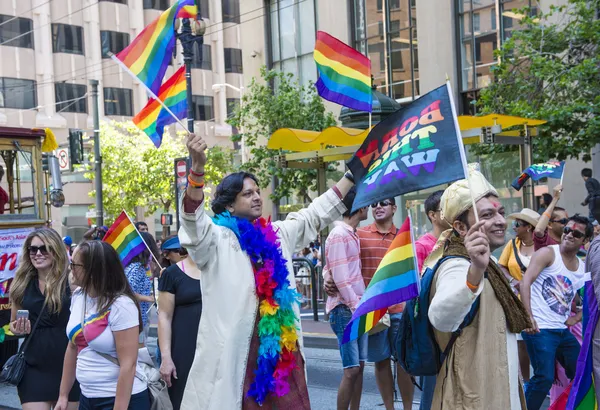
(147, 247)
(563, 173)
(461, 148)
(370, 120)
(135, 77)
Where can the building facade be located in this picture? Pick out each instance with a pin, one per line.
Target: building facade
(49, 52)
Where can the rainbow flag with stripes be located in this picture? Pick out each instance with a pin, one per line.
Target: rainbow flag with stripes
(344, 73)
(396, 280)
(583, 395)
(149, 54)
(153, 118)
(126, 240)
(550, 169)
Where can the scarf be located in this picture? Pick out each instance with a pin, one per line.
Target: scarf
(514, 310)
(277, 330)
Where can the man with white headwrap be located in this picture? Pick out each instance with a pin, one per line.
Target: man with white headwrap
(482, 369)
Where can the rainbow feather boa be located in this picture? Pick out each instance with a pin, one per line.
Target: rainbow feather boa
(277, 326)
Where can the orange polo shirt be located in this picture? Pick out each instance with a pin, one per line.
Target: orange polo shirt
(373, 246)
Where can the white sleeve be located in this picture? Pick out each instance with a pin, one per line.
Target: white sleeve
(453, 299)
(124, 314)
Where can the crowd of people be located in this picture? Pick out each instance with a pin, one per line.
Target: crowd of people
(229, 329)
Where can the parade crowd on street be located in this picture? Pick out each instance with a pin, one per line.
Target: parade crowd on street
(226, 285)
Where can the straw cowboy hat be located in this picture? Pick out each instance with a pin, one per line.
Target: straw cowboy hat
(527, 215)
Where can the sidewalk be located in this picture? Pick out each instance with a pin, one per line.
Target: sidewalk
(318, 334)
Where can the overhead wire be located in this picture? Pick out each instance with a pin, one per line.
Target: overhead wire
(24, 13)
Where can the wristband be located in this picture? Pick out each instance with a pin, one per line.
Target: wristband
(193, 183)
(471, 286)
(548, 215)
(337, 192)
(348, 175)
(196, 174)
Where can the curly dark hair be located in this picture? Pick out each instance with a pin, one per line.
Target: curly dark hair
(228, 190)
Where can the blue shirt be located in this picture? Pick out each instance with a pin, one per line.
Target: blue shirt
(140, 283)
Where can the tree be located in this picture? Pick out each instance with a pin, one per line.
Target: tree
(265, 110)
(550, 70)
(135, 173)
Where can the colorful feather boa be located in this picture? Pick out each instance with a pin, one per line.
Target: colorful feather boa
(277, 326)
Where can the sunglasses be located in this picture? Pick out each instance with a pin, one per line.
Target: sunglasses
(563, 221)
(382, 204)
(76, 264)
(576, 234)
(33, 250)
(518, 224)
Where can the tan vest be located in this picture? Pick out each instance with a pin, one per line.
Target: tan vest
(475, 373)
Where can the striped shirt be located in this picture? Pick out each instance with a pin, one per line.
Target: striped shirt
(342, 253)
(373, 246)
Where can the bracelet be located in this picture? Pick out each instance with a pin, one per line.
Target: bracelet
(193, 183)
(547, 214)
(471, 286)
(196, 174)
(348, 175)
(337, 192)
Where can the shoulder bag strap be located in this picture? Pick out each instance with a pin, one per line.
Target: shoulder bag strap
(24, 346)
(516, 252)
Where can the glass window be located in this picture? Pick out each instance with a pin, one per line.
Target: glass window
(113, 42)
(67, 39)
(204, 9)
(232, 104)
(70, 97)
(233, 60)
(156, 4)
(17, 93)
(116, 1)
(203, 108)
(231, 11)
(118, 101)
(204, 63)
(476, 23)
(19, 184)
(16, 31)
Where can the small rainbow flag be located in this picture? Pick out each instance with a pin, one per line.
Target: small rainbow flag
(344, 73)
(4, 288)
(396, 280)
(153, 118)
(126, 240)
(550, 169)
(148, 55)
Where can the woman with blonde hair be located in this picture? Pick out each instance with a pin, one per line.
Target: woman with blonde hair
(41, 287)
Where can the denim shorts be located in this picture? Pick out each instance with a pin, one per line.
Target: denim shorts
(382, 345)
(354, 351)
(140, 401)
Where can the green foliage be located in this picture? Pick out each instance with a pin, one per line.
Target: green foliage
(550, 70)
(135, 173)
(262, 112)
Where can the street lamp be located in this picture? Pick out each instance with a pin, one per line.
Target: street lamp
(217, 88)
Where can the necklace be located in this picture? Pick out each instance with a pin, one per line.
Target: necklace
(277, 326)
(528, 244)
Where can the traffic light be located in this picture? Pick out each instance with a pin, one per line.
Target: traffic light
(45, 162)
(76, 146)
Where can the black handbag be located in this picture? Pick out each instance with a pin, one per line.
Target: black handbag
(14, 368)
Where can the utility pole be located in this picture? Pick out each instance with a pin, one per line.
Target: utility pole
(97, 156)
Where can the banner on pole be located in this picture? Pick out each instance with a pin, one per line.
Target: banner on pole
(11, 243)
(417, 147)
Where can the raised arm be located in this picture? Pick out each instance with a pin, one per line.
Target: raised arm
(540, 228)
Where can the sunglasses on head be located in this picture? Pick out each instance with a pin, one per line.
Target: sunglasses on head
(576, 234)
(562, 221)
(382, 204)
(33, 250)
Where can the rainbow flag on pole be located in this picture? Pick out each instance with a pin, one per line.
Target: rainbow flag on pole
(148, 56)
(153, 118)
(396, 280)
(344, 73)
(126, 240)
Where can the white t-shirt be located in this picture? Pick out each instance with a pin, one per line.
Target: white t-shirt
(554, 290)
(97, 375)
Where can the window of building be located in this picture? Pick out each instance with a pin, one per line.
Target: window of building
(493, 18)
(116, 1)
(118, 101)
(232, 104)
(231, 11)
(17, 93)
(203, 108)
(16, 31)
(67, 39)
(293, 32)
(204, 9)
(204, 62)
(233, 60)
(113, 42)
(157, 4)
(70, 97)
(476, 23)
(389, 50)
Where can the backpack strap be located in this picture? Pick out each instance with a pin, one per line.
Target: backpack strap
(516, 253)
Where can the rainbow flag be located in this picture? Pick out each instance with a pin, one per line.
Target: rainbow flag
(126, 240)
(396, 280)
(153, 118)
(4, 288)
(344, 73)
(148, 55)
(583, 395)
(550, 169)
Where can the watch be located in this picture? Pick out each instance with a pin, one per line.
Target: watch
(348, 175)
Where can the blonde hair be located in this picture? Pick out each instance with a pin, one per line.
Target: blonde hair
(57, 279)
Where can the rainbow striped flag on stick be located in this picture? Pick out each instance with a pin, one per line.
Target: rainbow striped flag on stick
(344, 73)
(396, 280)
(148, 55)
(154, 117)
(126, 240)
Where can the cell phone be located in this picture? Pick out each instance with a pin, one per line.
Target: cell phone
(22, 314)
